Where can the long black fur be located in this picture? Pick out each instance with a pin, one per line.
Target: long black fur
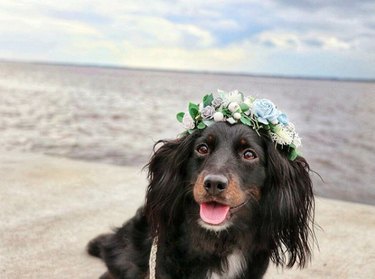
(278, 226)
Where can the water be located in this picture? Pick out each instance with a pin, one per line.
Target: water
(115, 116)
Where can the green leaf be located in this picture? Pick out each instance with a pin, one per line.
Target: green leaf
(226, 112)
(293, 154)
(208, 123)
(275, 128)
(201, 126)
(245, 120)
(180, 116)
(193, 110)
(207, 100)
(265, 127)
(244, 107)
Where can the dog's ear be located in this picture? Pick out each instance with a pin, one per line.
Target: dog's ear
(167, 180)
(288, 205)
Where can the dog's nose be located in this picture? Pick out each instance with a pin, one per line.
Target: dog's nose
(215, 183)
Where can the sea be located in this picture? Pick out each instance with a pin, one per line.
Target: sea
(115, 115)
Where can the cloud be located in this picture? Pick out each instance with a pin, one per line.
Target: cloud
(162, 32)
(347, 7)
(214, 59)
(228, 35)
(301, 41)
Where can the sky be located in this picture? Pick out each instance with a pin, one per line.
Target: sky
(307, 38)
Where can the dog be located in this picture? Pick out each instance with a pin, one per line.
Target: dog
(222, 202)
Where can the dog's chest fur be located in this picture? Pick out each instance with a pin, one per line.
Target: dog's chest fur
(236, 265)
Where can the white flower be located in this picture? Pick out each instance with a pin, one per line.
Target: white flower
(285, 137)
(235, 96)
(233, 107)
(296, 141)
(218, 116)
(282, 135)
(231, 120)
(188, 122)
(237, 115)
(249, 101)
(229, 97)
(221, 93)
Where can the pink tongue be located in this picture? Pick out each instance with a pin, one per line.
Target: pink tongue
(214, 213)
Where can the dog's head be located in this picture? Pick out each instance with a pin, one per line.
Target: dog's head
(228, 170)
(228, 177)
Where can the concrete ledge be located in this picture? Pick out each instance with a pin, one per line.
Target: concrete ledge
(51, 207)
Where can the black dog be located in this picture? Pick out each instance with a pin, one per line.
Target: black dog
(223, 202)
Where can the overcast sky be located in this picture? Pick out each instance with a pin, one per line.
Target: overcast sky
(319, 38)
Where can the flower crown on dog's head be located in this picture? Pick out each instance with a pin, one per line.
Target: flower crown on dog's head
(233, 107)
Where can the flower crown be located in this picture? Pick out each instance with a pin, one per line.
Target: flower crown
(233, 107)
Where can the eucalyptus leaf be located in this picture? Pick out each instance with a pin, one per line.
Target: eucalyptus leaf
(207, 122)
(226, 112)
(274, 128)
(193, 110)
(244, 107)
(245, 120)
(207, 100)
(293, 154)
(201, 126)
(180, 116)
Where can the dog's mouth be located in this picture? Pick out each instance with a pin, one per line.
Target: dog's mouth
(215, 213)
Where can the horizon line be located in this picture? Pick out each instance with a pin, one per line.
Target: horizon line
(207, 72)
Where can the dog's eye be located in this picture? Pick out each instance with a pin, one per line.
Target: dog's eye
(202, 149)
(249, 155)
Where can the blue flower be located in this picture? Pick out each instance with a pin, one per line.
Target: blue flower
(283, 119)
(265, 111)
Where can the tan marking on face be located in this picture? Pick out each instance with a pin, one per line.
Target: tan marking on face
(243, 142)
(234, 194)
(255, 192)
(210, 139)
(198, 191)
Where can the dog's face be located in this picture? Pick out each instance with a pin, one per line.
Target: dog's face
(228, 171)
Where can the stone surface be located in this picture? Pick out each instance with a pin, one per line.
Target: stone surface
(51, 207)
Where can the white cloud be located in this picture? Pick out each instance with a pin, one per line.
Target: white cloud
(334, 43)
(301, 41)
(228, 35)
(153, 31)
(214, 59)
